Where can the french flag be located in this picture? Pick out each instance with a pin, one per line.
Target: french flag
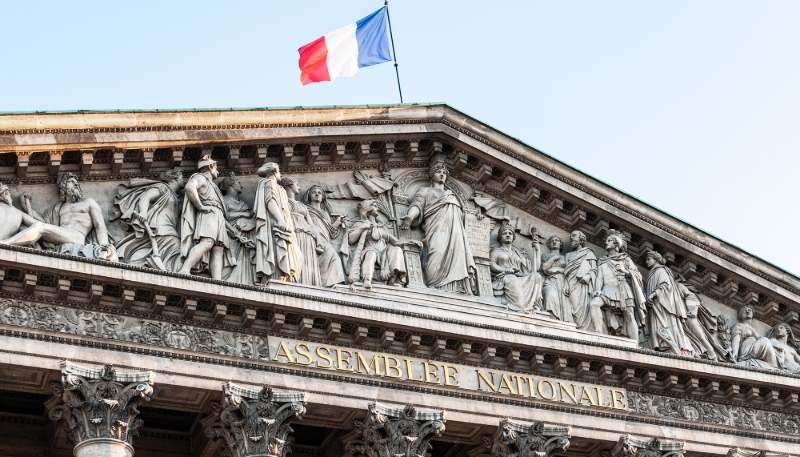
(343, 51)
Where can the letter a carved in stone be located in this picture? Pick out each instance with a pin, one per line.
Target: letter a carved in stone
(523, 440)
(253, 423)
(396, 432)
(98, 407)
(628, 446)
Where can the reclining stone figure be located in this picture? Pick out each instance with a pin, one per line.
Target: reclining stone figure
(74, 225)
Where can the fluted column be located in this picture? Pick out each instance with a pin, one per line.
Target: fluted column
(628, 446)
(396, 432)
(254, 423)
(527, 440)
(97, 408)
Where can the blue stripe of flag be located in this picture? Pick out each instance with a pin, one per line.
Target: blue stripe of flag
(373, 41)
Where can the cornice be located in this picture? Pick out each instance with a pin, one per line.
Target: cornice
(267, 291)
(492, 399)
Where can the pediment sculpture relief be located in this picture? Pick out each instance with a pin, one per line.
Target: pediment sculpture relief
(419, 230)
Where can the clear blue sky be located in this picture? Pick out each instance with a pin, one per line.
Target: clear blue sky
(694, 107)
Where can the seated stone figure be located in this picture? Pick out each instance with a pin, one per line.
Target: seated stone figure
(514, 276)
(749, 348)
(785, 345)
(74, 225)
(374, 246)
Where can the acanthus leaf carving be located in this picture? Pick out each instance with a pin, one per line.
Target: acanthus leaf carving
(250, 423)
(629, 446)
(516, 439)
(391, 432)
(99, 403)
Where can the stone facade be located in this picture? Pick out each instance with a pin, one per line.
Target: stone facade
(366, 281)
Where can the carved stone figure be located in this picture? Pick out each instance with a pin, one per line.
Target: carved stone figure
(12, 217)
(448, 262)
(305, 233)
(243, 221)
(750, 348)
(205, 243)
(328, 226)
(700, 324)
(515, 439)
(252, 423)
(73, 226)
(785, 344)
(552, 269)
(666, 310)
(98, 407)
(618, 292)
(579, 277)
(278, 254)
(150, 209)
(396, 433)
(514, 276)
(374, 246)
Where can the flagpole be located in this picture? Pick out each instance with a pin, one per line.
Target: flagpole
(394, 54)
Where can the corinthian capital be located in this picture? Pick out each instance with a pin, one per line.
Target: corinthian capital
(628, 446)
(254, 423)
(99, 403)
(396, 432)
(527, 440)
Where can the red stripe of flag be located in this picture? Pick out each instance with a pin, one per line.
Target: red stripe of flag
(313, 66)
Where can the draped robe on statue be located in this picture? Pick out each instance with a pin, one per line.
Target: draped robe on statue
(196, 224)
(162, 219)
(580, 263)
(244, 272)
(306, 242)
(754, 350)
(448, 259)
(521, 292)
(667, 313)
(617, 293)
(330, 265)
(553, 290)
(277, 253)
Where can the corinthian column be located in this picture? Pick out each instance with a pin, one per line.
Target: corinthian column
(254, 423)
(527, 440)
(98, 408)
(396, 432)
(628, 446)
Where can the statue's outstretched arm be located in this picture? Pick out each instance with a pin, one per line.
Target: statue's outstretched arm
(98, 223)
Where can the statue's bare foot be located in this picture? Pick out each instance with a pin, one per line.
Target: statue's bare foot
(184, 272)
(367, 284)
(352, 287)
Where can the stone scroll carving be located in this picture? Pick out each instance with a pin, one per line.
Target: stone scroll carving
(95, 404)
(391, 432)
(628, 446)
(710, 413)
(119, 328)
(515, 439)
(254, 423)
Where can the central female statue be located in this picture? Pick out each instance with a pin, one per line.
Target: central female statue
(449, 265)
